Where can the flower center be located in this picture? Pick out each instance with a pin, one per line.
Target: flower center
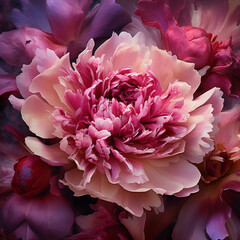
(216, 164)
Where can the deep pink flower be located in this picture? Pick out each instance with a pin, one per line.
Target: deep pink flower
(216, 204)
(109, 222)
(204, 32)
(125, 117)
(31, 176)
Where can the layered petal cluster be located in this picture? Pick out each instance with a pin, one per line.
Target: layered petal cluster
(124, 120)
(216, 204)
(206, 33)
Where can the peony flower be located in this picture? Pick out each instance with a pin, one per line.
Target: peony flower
(31, 176)
(216, 204)
(124, 119)
(109, 222)
(202, 32)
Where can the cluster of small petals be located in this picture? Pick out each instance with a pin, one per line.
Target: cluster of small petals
(118, 122)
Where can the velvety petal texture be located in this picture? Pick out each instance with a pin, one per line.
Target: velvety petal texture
(45, 217)
(124, 117)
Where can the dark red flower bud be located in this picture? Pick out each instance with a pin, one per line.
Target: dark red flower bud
(31, 176)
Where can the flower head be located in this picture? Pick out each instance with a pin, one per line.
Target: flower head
(31, 176)
(124, 116)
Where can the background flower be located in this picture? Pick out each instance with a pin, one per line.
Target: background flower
(201, 32)
(216, 202)
(57, 25)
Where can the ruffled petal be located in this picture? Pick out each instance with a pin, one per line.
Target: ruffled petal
(51, 154)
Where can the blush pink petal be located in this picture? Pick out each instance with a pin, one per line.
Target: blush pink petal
(182, 175)
(43, 59)
(37, 114)
(229, 126)
(101, 188)
(17, 103)
(46, 83)
(135, 226)
(177, 70)
(51, 154)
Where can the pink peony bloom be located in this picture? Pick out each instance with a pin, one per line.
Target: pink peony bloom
(128, 126)
(206, 33)
(216, 205)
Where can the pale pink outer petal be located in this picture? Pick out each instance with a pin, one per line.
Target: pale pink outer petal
(135, 226)
(229, 128)
(43, 60)
(134, 202)
(173, 178)
(204, 119)
(17, 103)
(37, 114)
(46, 82)
(133, 54)
(116, 49)
(51, 154)
(175, 70)
(187, 191)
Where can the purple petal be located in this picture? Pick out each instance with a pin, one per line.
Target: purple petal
(66, 17)
(8, 83)
(216, 225)
(157, 14)
(33, 15)
(100, 22)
